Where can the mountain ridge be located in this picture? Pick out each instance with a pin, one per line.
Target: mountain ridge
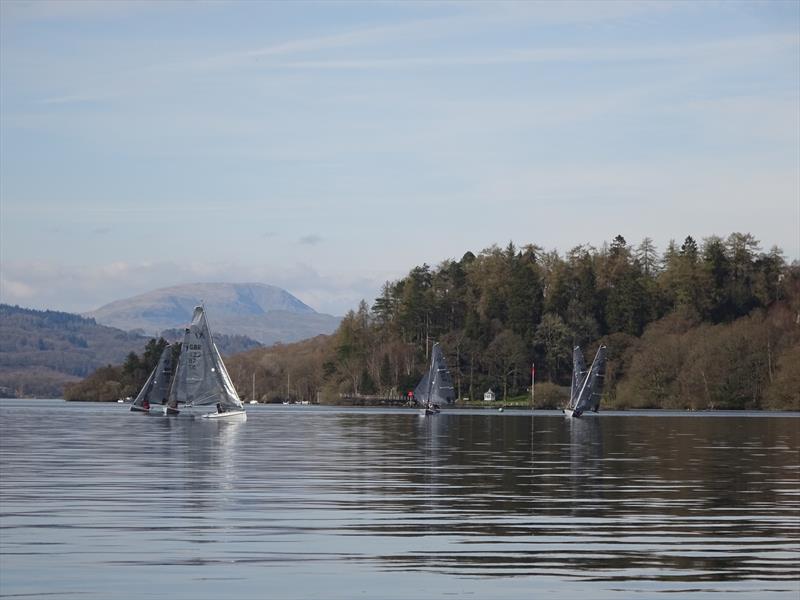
(260, 311)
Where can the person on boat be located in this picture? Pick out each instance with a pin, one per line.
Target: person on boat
(146, 405)
(220, 409)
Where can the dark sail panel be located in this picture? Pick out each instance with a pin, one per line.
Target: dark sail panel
(436, 386)
(156, 389)
(591, 390)
(599, 373)
(421, 391)
(578, 375)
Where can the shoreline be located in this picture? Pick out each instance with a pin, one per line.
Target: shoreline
(514, 409)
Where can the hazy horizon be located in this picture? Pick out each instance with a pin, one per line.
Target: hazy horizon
(325, 148)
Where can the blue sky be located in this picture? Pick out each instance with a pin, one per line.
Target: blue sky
(329, 147)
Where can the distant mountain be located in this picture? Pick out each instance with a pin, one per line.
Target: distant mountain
(262, 312)
(41, 350)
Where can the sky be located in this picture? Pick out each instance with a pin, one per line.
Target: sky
(329, 147)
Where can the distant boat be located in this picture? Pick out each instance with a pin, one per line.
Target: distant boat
(586, 387)
(436, 386)
(253, 397)
(201, 379)
(154, 394)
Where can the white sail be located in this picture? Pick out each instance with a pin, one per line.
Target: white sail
(201, 378)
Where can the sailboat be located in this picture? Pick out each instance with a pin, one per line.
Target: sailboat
(155, 392)
(436, 386)
(587, 385)
(201, 379)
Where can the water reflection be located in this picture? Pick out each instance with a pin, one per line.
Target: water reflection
(605, 504)
(586, 466)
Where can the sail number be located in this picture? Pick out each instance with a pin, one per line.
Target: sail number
(195, 352)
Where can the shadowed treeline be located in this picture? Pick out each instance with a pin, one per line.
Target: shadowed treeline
(709, 325)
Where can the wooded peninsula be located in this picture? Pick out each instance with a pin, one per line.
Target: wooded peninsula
(705, 325)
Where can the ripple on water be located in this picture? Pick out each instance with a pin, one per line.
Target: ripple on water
(312, 502)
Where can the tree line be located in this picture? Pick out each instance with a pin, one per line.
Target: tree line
(704, 324)
(708, 324)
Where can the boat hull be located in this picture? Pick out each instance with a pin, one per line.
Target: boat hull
(200, 412)
(571, 414)
(230, 414)
(153, 410)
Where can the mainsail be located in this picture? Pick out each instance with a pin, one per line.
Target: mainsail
(201, 378)
(590, 390)
(436, 386)
(156, 389)
(578, 372)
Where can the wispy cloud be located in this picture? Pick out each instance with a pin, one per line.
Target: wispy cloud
(747, 47)
(323, 51)
(87, 98)
(81, 288)
(51, 10)
(310, 240)
(14, 291)
(328, 120)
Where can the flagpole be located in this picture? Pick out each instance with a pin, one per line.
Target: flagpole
(533, 377)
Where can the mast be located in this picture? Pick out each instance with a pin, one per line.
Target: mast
(431, 375)
(533, 377)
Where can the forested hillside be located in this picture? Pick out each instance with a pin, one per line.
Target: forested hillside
(714, 324)
(709, 325)
(41, 350)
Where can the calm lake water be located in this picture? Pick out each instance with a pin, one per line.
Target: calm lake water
(307, 502)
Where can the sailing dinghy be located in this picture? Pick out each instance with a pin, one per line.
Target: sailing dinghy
(436, 386)
(154, 394)
(587, 385)
(201, 380)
